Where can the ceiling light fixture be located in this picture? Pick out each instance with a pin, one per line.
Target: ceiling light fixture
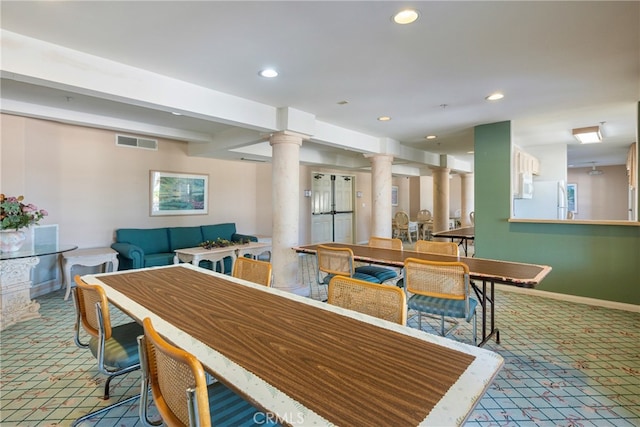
(268, 73)
(494, 96)
(175, 113)
(430, 137)
(588, 135)
(406, 16)
(594, 171)
(384, 118)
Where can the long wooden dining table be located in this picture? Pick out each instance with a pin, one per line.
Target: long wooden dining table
(488, 271)
(303, 361)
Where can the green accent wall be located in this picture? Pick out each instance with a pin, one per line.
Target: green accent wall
(595, 261)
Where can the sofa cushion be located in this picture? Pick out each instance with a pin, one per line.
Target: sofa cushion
(185, 237)
(156, 260)
(150, 240)
(222, 231)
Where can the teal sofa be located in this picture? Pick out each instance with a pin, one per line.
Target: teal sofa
(151, 247)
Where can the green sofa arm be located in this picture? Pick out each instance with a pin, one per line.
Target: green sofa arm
(129, 256)
(236, 237)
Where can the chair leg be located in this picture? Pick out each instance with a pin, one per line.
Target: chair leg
(105, 409)
(442, 326)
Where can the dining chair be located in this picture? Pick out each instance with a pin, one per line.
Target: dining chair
(382, 301)
(404, 226)
(337, 262)
(435, 247)
(381, 273)
(178, 386)
(114, 347)
(425, 224)
(253, 270)
(440, 289)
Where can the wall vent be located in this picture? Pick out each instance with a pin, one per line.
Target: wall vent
(136, 142)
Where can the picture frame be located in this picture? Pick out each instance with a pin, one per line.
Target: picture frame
(175, 193)
(572, 198)
(394, 195)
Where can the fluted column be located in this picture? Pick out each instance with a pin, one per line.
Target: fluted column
(286, 211)
(381, 194)
(466, 188)
(441, 199)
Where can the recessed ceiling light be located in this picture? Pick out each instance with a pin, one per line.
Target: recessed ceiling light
(384, 118)
(175, 113)
(269, 73)
(406, 16)
(494, 96)
(430, 137)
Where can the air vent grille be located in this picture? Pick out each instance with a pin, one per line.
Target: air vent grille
(137, 142)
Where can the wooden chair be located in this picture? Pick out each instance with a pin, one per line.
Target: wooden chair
(381, 273)
(440, 289)
(180, 392)
(114, 347)
(252, 270)
(404, 226)
(425, 224)
(434, 247)
(337, 262)
(382, 301)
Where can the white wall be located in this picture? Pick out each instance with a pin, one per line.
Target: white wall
(90, 186)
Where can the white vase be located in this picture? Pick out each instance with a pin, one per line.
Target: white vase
(12, 240)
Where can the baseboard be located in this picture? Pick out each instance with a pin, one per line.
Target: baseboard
(571, 298)
(44, 288)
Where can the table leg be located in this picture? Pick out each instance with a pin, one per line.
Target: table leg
(482, 296)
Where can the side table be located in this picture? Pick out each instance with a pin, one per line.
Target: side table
(87, 258)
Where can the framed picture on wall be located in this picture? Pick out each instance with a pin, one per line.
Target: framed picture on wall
(572, 198)
(394, 195)
(173, 193)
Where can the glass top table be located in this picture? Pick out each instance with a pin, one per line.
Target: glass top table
(38, 250)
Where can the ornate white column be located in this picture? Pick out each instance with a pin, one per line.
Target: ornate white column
(381, 194)
(15, 291)
(466, 188)
(286, 211)
(441, 199)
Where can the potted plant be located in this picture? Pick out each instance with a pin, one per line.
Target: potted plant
(15, 216)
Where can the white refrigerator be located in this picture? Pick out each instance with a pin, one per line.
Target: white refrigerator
(549, 201)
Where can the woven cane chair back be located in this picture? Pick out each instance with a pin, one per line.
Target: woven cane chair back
(86, 297)
(383, 242)
(436, 279)
(433, 247)
(382, 301)
(335, 260)
(253, 270)
(171, 372)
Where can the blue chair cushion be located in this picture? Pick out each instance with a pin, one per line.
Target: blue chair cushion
(360, 276)
(442, 306)
(121, 350)
(381, 273)
(229, 409)
(185, 237)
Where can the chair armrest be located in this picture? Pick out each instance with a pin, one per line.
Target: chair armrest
(236, 237)
(132, 253)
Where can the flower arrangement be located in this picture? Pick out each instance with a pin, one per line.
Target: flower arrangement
(15, 214)
(222, 243)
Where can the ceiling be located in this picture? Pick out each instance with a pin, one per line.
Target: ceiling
(560, 65)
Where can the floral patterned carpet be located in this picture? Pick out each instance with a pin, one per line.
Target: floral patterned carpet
(566, 364)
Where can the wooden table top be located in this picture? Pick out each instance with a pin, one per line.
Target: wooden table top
(288, 353)
(510, 273)
(464, 232)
